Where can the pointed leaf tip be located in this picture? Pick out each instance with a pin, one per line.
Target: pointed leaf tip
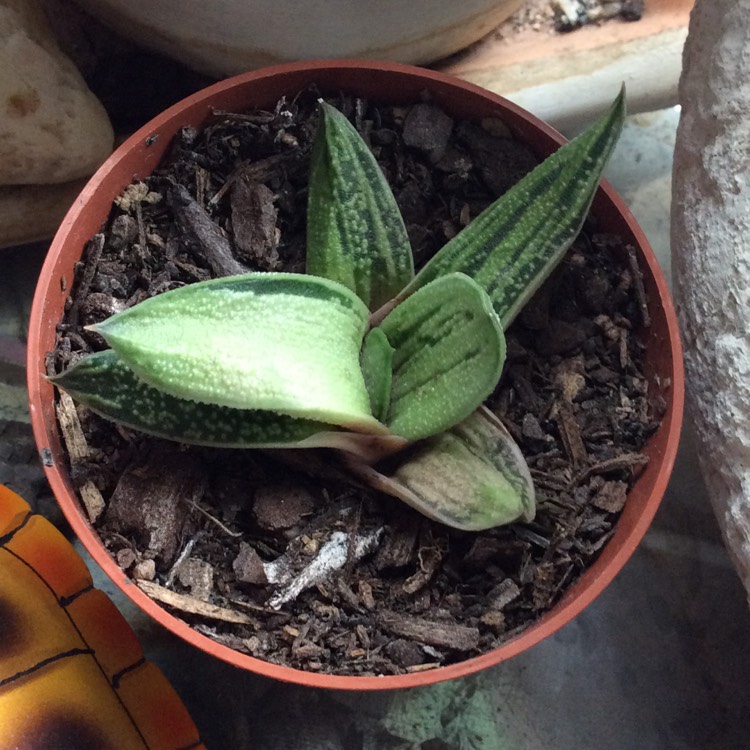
(514, 244)
(355, 233)
(472, 477)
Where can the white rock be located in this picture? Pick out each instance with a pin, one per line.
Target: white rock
(33, 212)
(52, 128)
(711, 256)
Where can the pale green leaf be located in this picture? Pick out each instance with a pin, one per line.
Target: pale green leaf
(449, 350)
(472, 477)
(514, 244)
(355, 233)
(279, 342)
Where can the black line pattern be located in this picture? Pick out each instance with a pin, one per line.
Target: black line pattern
(127, 670)
(88, 649)
(5, 539)
(63, 602)
(44, 662)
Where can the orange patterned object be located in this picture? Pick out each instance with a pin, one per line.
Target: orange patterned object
(72, 673)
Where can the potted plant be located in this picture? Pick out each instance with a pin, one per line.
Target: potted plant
(396, 85)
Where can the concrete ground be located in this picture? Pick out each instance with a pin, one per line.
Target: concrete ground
(661, 661)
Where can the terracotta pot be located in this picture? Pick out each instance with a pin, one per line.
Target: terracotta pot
(396, 84)
(220, 37)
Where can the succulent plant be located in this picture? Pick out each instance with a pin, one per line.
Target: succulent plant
(360, 354)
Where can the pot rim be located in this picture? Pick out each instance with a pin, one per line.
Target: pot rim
(589, 585)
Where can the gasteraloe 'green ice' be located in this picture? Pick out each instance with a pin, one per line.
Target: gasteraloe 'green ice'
(282, 360)
(282, 342)
(355, 233)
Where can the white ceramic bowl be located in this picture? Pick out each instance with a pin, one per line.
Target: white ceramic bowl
(222, 37)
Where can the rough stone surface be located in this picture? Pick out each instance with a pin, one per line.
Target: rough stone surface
(52, 128)
(33, 212)
(711, 256)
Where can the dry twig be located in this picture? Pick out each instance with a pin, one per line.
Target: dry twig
(190, 604)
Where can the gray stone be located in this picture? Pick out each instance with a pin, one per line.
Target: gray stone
(711, 256)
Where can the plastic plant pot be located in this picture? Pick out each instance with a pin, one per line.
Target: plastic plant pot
(395, 84)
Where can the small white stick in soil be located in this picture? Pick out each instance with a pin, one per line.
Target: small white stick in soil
(332, 556)
(92, 500)
(181, 558)
(70, 425)
(194, 606)
(78, 450)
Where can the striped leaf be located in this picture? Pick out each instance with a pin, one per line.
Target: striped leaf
(513, 246)
(279, 342)
(355, 233)
(472, 477)
(102, 382)
(449, 350)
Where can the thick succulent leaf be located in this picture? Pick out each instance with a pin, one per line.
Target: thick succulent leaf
(472, 477)
(449, 350)
(106, 385)
(377, 367)
(355, 233)
(279, 342)
(514, 244)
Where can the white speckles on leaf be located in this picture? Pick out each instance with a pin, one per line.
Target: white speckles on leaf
(283, 342)
(449, 352)
(103, 383)
(355, 233)
(514, 244)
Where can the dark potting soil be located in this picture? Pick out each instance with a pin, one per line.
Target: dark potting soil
(194, 526)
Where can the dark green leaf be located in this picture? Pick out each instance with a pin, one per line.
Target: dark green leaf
(513, 246)
(355, 233)
(103, 383)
